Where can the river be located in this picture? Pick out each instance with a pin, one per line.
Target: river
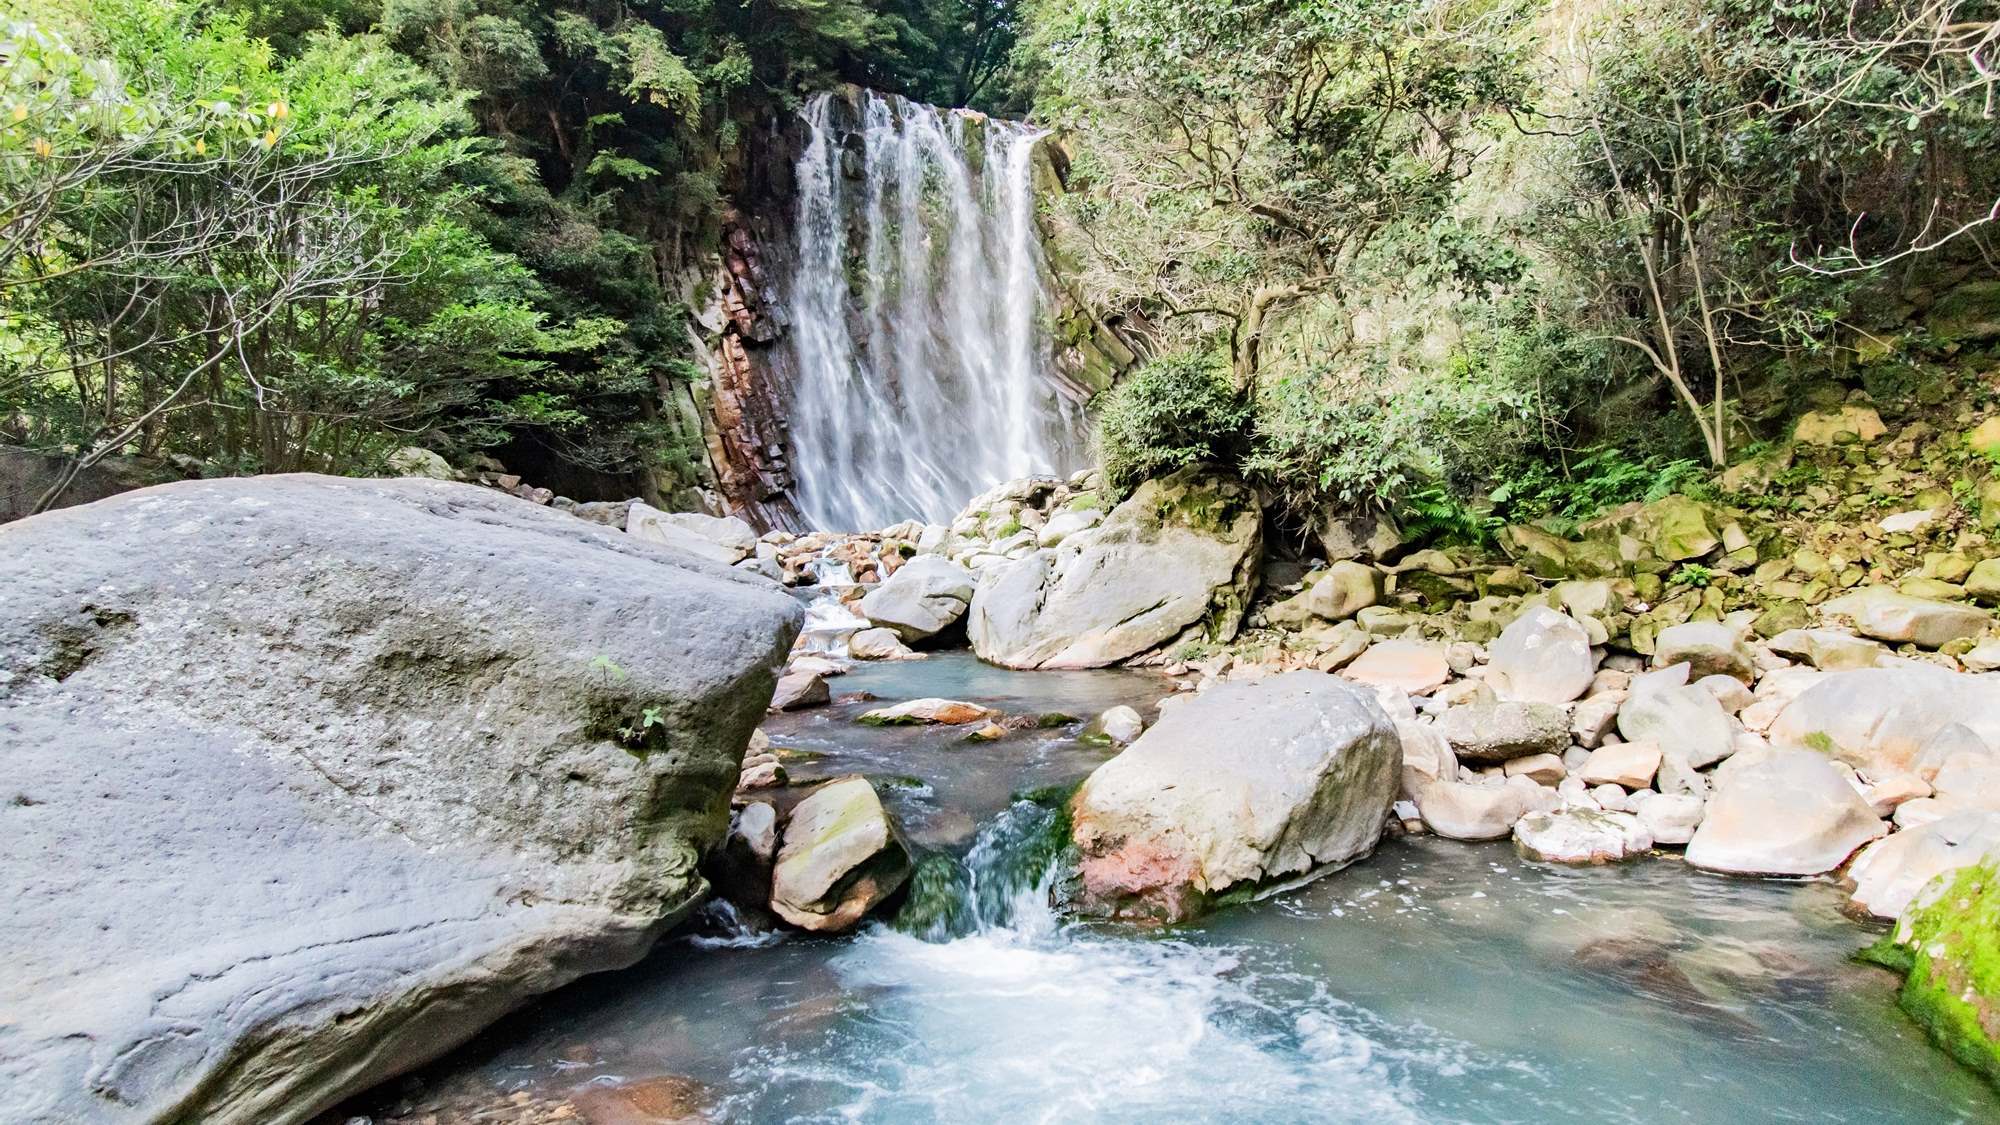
(1435, 982)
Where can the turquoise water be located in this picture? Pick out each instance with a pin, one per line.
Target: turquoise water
(1436, 982)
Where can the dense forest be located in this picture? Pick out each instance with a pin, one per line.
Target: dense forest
(1443, 258)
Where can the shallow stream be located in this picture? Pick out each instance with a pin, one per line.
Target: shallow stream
(1435, 982)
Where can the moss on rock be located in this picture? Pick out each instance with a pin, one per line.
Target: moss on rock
(1948, 945)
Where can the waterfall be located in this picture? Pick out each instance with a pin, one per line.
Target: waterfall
(920, 372)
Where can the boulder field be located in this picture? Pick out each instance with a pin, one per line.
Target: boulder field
(303, 781)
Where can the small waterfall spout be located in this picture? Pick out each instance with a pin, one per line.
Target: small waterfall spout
(921, 365)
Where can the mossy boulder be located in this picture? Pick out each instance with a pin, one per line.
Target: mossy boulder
(1967, 314)
(1842, 425)
(1948, 946)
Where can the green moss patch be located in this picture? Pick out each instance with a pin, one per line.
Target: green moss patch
(1948, 945)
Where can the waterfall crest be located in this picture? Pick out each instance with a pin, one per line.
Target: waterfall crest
(920, 368)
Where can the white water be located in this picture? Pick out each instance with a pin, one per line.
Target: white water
(920, 356)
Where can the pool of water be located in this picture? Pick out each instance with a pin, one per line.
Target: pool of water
(1435, 982)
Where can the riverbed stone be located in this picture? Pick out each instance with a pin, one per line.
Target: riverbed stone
(1889, 872)
(1671, 818)
(1708, 648)
(1245, 785)
(1947, 942)
(1459, 810)
(1120, 725)
(1684, 721)
(926, 596)
(353, 778)
(1789, 812)
(842, 856)
(1410, 666)
(1543, 769)
(797, 691)
(930, 709)
(1630, 765)
(1579, 835)
(1830, 650)
(878, 644)
(1496, 732)
(1542, 657)
(1888, 615)
(1176, 561)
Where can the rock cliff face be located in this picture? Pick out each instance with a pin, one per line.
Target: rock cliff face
(306, 780)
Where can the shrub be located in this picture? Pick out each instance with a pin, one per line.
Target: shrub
(1178, 410)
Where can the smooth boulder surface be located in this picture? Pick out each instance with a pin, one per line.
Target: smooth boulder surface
(1542, 657)
(1244, 785)
(1879, 718)
(916, 712)
(353, 777)
(1411, 666)
(1787, 813)
(1458, 810)
(1685, 721)
(1177, 559)
(926, 596)
(842, 856)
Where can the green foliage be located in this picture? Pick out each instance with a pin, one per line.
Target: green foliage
(1691, 576)
(1175, 411)
(1563, 495)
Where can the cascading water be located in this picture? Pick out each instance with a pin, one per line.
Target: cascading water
(921, 364)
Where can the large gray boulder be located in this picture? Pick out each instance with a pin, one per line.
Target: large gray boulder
(1245, 785)
(926, 596)
(306, 780)
(1889, 872)
(1178, 559)
(1497, 732)
(1879, 718)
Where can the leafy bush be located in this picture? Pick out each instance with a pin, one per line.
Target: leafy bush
(1178, 410)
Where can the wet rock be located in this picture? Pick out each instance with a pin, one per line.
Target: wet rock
(1410, 666)
(1708, 648)
(1581, 836)
(1889, 872)
(1344, 590)
(1120, 725)
(989, 732)
(878, 644)
(308, 707)
(1787, 813)
(1178, 559)
(1460, 811)
(1947, 942)
(842, 856)
(1241, 786)
(1542, 657)
(1495, 732)
(797, 691)
(1898, 618)
(916, 712)
(926, 596)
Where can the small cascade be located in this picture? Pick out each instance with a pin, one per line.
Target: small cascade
(1006, 881)
(829, 620)
(922, 365)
